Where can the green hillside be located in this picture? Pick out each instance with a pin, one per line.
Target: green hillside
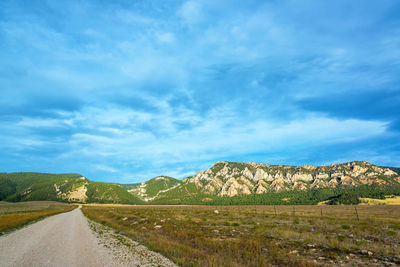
(187, 193)
(330, 196)
(98, 192)
(155, 185)
(26, 186)
(152, 189)
(190, 195)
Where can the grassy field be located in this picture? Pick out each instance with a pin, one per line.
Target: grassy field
(261, 235)
(15, 215)
(389, 200)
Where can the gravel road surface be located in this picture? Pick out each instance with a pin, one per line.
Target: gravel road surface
(65, 240)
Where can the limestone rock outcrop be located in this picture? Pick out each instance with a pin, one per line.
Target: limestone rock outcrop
(235, 178)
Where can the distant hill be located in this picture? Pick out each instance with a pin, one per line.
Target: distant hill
(224, 183)
(152, 189)
(26, 186)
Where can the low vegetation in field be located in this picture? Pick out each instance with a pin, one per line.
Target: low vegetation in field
(261, 235)
(15, 215)
(389, 200)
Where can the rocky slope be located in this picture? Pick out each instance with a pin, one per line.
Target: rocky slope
(150, 190)
(232, 178)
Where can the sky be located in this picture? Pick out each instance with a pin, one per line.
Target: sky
(123, 91)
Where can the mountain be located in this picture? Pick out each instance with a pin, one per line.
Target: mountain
(228, 183)
(234, 178)
(151, 189)
(26, 186)
(225, 183)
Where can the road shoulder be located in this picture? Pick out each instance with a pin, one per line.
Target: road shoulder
(126, 251)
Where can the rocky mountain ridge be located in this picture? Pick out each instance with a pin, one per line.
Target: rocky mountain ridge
(224, 183)
(233, 178)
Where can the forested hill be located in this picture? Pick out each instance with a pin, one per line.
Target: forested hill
(26, 186)
(224, 183)
(254, 183)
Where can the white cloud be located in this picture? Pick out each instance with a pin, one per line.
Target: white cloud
(105, 168)
(191, 11)
(218, 134)
(165, 37)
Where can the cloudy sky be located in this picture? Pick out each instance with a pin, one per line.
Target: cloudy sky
(127, 90)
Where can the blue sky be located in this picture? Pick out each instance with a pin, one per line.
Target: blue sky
(124, 91)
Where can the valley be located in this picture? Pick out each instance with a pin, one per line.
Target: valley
(233, 214)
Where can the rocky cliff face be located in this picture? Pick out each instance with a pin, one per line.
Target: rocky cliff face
(231, 178)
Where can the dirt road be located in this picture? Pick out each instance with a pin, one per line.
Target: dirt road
(61, 240)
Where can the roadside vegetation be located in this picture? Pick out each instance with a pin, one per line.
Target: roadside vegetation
(15, 215)
(261, 235)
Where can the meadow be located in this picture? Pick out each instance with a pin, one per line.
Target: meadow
(261, 235)
(15, 215)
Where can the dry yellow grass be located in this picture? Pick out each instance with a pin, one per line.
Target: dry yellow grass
(395, 200)
(130, 205)
(15, 215)
(107, 205)
(261, 235)
(389, 200)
